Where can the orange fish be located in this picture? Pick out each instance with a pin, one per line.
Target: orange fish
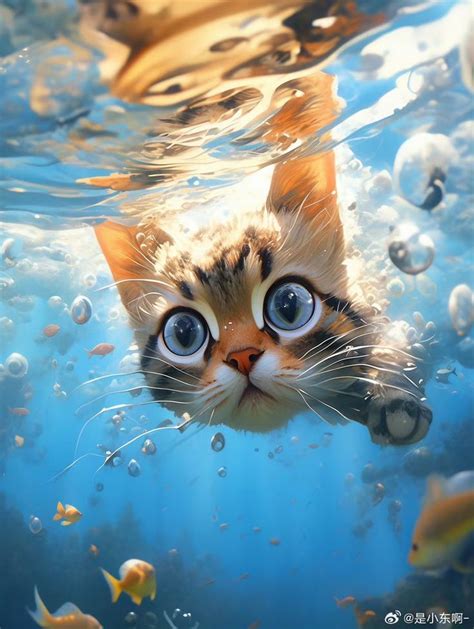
(345, 602)
(101, 349)
(93, 550)
(363, 616)
(256, 624)
(68, 514)
(19, 441)
(137, 579)
(21, 411)
(244, 576)
(275, 541)
(51, 330)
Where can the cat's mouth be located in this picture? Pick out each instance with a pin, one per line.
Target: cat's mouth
(253, 394)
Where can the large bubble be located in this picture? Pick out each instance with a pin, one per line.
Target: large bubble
(461, 308)
(16, 365)
(410, 251)
(81, 310)
(421, 167)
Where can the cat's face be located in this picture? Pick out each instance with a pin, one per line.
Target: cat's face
(239, 323)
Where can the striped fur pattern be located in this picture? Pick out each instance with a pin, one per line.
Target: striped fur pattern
(340, 370)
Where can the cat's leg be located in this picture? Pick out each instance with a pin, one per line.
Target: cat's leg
(392, 404)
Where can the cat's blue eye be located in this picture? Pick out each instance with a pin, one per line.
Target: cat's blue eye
(289, 306)
(184, 333)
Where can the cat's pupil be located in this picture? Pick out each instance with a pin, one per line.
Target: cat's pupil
(287, 305)
(185, 330)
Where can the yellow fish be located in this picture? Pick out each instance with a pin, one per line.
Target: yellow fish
(68, 514)
(446, 524)
(137, 579)
(68, 616)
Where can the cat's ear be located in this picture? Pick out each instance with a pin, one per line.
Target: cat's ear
(129, 261)
(305, 185)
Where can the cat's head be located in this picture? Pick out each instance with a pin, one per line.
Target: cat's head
(240, 322)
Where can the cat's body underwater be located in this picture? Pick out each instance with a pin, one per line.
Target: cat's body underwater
(251, 320)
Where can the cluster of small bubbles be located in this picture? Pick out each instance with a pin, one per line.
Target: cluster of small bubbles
(149, 447)
(55, 302)
(412, 334)
(134, 468)
(218, 442)
(461, 308)
(89, 280)
(421, 167)
(396, 287)
(222, 472)
(131, 618)
(35, 525)
(16, 365)
(99, 487)
(81, 310)
(410, 251)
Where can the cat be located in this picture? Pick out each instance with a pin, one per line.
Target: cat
(253, 320)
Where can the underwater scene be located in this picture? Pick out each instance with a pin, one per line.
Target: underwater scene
(236, 310)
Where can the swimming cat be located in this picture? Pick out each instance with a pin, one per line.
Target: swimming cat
(253, 320)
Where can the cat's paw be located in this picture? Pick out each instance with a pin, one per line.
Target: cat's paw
(398, 418)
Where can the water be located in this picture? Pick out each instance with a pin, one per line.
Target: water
(272, 539)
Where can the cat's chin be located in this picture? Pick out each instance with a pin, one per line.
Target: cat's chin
(255, 412)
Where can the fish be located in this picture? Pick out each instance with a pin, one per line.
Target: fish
(93, 550)
(19, 411)
(19, 441)
(51, 330)
(442, 375)
(68, 616)
(275, 541)
(345, 602)
(445, 527)
(313, 446)
(68, 514)
(256, 624)
(137, 579)
(364, 616)
(101, 349)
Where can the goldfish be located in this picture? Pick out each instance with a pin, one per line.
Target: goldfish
(363, 616)
(93, 550)
(254, 625)
(137, 579)
(67, 616)
(345, 602)
(68, 514)
(51, 330)
(445, 528)
(275, 541)
(102, 349)
(20, 411)
(19, 441)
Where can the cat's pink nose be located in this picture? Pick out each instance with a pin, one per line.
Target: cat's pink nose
(244, 359)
